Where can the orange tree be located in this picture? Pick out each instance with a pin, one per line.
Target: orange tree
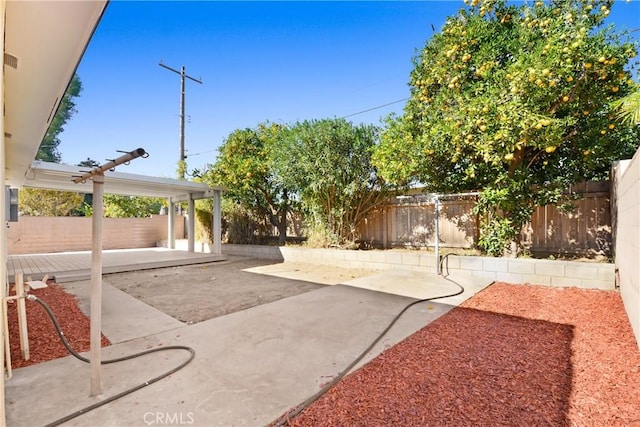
(244, 168)
(513, 100)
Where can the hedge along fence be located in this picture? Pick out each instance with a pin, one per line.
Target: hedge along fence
(408, 221)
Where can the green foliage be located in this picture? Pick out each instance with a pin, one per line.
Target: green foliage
(514, 100)
(494, 233)
(628, 108)
(323, 166)
(181, 169)
(504, 209)
(89, 163)
(239, 223)
(328, 163)
(48, 150)
(245, 168)
(319, 236)
(204, 220)
(86, 209)
(35, 202)
(87, 206)
(116, 206)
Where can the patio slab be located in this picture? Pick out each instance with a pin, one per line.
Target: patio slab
(123, 318)
(421, 285)
(250, 366)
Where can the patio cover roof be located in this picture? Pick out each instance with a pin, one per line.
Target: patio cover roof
(56, 176)
(44, 41)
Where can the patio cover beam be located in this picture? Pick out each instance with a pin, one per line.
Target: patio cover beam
(55, 176)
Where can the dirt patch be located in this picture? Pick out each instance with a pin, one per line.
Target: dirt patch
(188, 293)
(200, 292)
(511, 355)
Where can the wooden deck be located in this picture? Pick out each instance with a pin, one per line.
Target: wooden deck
(70, 266)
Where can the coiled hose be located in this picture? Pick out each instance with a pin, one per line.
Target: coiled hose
(301, 407)
(105, 362)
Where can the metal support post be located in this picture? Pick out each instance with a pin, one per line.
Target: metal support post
(171, 233)
(95, 321)
(191, 236)
(95, 337)
(217, 223)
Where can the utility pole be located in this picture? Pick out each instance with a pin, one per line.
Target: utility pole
(183, 75)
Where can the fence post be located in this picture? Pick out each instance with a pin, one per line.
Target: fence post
(385, 228)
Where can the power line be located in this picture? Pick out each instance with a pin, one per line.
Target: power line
(375, 108)
(197, 154)
(344, 117)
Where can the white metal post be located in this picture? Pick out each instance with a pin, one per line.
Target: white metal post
(436, 198)
(95, 324)
(217, 223)
(95, 337)
(191, 236)
(171, 242)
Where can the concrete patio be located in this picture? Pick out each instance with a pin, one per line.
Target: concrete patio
(250, 366)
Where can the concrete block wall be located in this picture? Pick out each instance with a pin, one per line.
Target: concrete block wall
(39, 234)
(543, 272)
(628, 238)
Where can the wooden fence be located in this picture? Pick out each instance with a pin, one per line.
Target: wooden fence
(409, 222)
(584, 230)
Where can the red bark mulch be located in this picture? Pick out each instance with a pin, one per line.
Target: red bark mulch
(511, 355)
(44, 343)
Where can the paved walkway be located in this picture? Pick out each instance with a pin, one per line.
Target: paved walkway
(70, 266)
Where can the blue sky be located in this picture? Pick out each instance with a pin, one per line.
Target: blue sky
(259, 61)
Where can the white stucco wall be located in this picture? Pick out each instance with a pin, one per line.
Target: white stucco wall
(3, 232)
(628, 240)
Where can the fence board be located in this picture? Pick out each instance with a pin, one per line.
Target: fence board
(410, 222)
(585, 230)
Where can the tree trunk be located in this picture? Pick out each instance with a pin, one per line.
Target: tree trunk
(282, 231)
(279, 219)
(512, 250)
